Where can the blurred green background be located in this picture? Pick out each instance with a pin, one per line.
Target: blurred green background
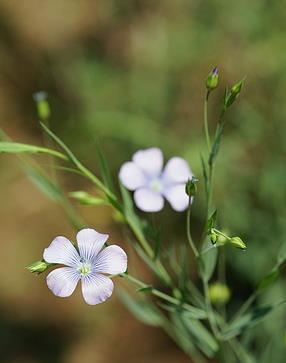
(131, 75)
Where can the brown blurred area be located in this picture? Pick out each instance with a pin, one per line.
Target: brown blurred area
(38, 40)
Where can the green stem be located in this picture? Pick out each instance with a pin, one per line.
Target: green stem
(221, 233)
(192, 309)
(222, 275)
(190, 240)
(244, 307)
(206, 126)
(210, 313)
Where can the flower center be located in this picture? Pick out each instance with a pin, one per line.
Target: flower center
(156, 186)
(85, 269)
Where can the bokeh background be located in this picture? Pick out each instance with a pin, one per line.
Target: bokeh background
(131, 74)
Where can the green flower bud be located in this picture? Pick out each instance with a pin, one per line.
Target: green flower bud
(238, 243)
(191, 187)
(38, 267)
(43, 107)
(219, 293)
(233, 94)
(212, 80)
(213, 237)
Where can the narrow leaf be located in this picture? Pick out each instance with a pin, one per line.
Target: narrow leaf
(17, 148)
(86, 198)
(250, 319)
(142, 310)
(104, 169)
(145, 289)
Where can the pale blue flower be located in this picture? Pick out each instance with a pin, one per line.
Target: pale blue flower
(88, 265)
(145, 175)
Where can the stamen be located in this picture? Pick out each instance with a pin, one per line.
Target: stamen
(85, 269)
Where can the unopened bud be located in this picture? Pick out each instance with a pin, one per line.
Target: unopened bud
(238, 243)
(191, 187)
(219, 293)
(236, 88)
(43, 107)
(233, 94)
(38, 267)
(213, 238)
(212, 80)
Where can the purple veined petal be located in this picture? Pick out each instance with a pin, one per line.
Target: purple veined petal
(62, 251)
(131, 176)
(111, 260)
(177, 170)
(96, 288)
(62, 281)
(90, 242)
(149, 160)
(148, 201)
(177, 197)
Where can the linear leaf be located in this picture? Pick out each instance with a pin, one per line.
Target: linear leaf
(17, 148)
(250, 319)
(204, 339)
(144, 311)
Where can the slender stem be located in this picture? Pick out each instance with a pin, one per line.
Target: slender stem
(206, 126)
(209, 190)
(244, 307)
(190, 240)
(48, 142)
(149, 252)
(222, 275)
(221, 233)
(164, 296)
(210, 313)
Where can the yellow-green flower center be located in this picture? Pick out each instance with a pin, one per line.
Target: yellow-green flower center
(156, 186)
(84, 269)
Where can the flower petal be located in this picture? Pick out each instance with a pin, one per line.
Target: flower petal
(131, 176)
(111, 260)
(96, 288)
(61, 250)
(177, 170)
(62, 281)
(148, 201)
(149, 160)
(177, 197)
(90, 243)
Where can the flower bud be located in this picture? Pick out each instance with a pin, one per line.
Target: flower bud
(38, 267)
(238, 243)
(212, 80)
(233, 94)
(213, 238)
(43, 107)
(219, 293)
(191, 187)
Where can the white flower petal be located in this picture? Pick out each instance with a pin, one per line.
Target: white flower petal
(62, 281)
(177, 170)
(177, 197)
(61, 250)
(96, 288)
(149, 160)
(131, 176)
(148, 201)
(90, 243)
(111, 260)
